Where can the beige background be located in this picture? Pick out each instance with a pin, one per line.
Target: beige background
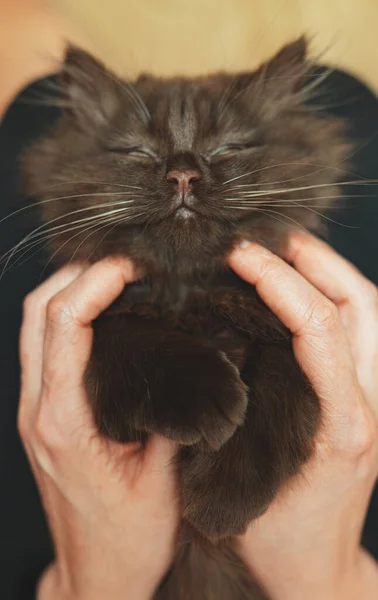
(182, 36)
(194, 36)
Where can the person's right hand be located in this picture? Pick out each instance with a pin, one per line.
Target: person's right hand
(307, 545)
(111, 508)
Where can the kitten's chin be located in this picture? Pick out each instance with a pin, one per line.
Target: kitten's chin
(184, 214)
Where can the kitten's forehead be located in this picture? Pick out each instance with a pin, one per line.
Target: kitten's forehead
(182, 121)
(183, 109)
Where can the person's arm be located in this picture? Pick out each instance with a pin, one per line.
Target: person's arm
(111, 508)
(307, 545)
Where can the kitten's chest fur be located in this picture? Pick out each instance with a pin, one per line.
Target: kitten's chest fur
(220, 309)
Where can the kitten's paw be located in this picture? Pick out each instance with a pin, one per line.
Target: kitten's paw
(202, 400)
(219, 499)
(216, 505)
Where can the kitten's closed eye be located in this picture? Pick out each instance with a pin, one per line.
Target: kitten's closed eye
(134, 151)
(229, 149)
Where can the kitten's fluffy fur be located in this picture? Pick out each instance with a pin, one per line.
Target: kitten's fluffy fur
(191, 352)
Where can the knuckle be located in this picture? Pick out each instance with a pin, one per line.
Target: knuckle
(322, 315)
(359, 434)
(51, 429)
(370, 297)
(59, 312)
(113, 261)
(22, 425)
(116, 265)
(46, 433)
(41, 428)
(44, 427)
(362, 437)
(29, 304)
(270, 265)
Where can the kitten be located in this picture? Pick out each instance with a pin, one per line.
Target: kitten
(173, 173)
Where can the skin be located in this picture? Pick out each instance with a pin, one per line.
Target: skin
(308, 543)
(112, 509)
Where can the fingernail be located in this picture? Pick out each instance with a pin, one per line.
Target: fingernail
(244, 244)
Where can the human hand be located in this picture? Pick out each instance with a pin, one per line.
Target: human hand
(307, 545)
(111, 508)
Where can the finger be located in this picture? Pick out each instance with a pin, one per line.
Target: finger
(70, 313)
(33, 331)
(332, 274)
(320, 343)
(355, 296)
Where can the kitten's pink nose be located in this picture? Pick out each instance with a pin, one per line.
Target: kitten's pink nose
(184, 178)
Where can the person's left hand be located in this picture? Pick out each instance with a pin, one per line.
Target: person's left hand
(111, 508)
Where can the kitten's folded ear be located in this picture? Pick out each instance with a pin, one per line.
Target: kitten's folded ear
(90, 89)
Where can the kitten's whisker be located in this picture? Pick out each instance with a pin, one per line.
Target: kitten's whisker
(324, 168)
(43, 234)
(44, 244)
(256, 171)
(78, 182)
(289, 201)
(26, 249)
(251, 207)
(41, 231)
(94, 182)
(40, 202)
(271, 216)
(97, 227)
(97, 245)
(102, 239)
(275, 166)
(311, 209)
(254, 193)
(47, 238)
(241, 187)
(270, 212)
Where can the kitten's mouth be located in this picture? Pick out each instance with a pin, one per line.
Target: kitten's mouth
(184, 213)
(183, 207)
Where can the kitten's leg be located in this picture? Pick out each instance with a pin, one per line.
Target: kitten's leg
(142, 377)
(224, 491)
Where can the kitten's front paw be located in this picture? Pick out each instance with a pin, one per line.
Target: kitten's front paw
(223, 491)
(202, 400)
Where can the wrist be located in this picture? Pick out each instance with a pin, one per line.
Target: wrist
(364, 583)
(52, 587)
(355, 579)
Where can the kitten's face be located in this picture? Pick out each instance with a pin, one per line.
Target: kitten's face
(182, 168)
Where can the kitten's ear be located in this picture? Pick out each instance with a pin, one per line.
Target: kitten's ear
(278, 78)
(90, 90)
(287, 70)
